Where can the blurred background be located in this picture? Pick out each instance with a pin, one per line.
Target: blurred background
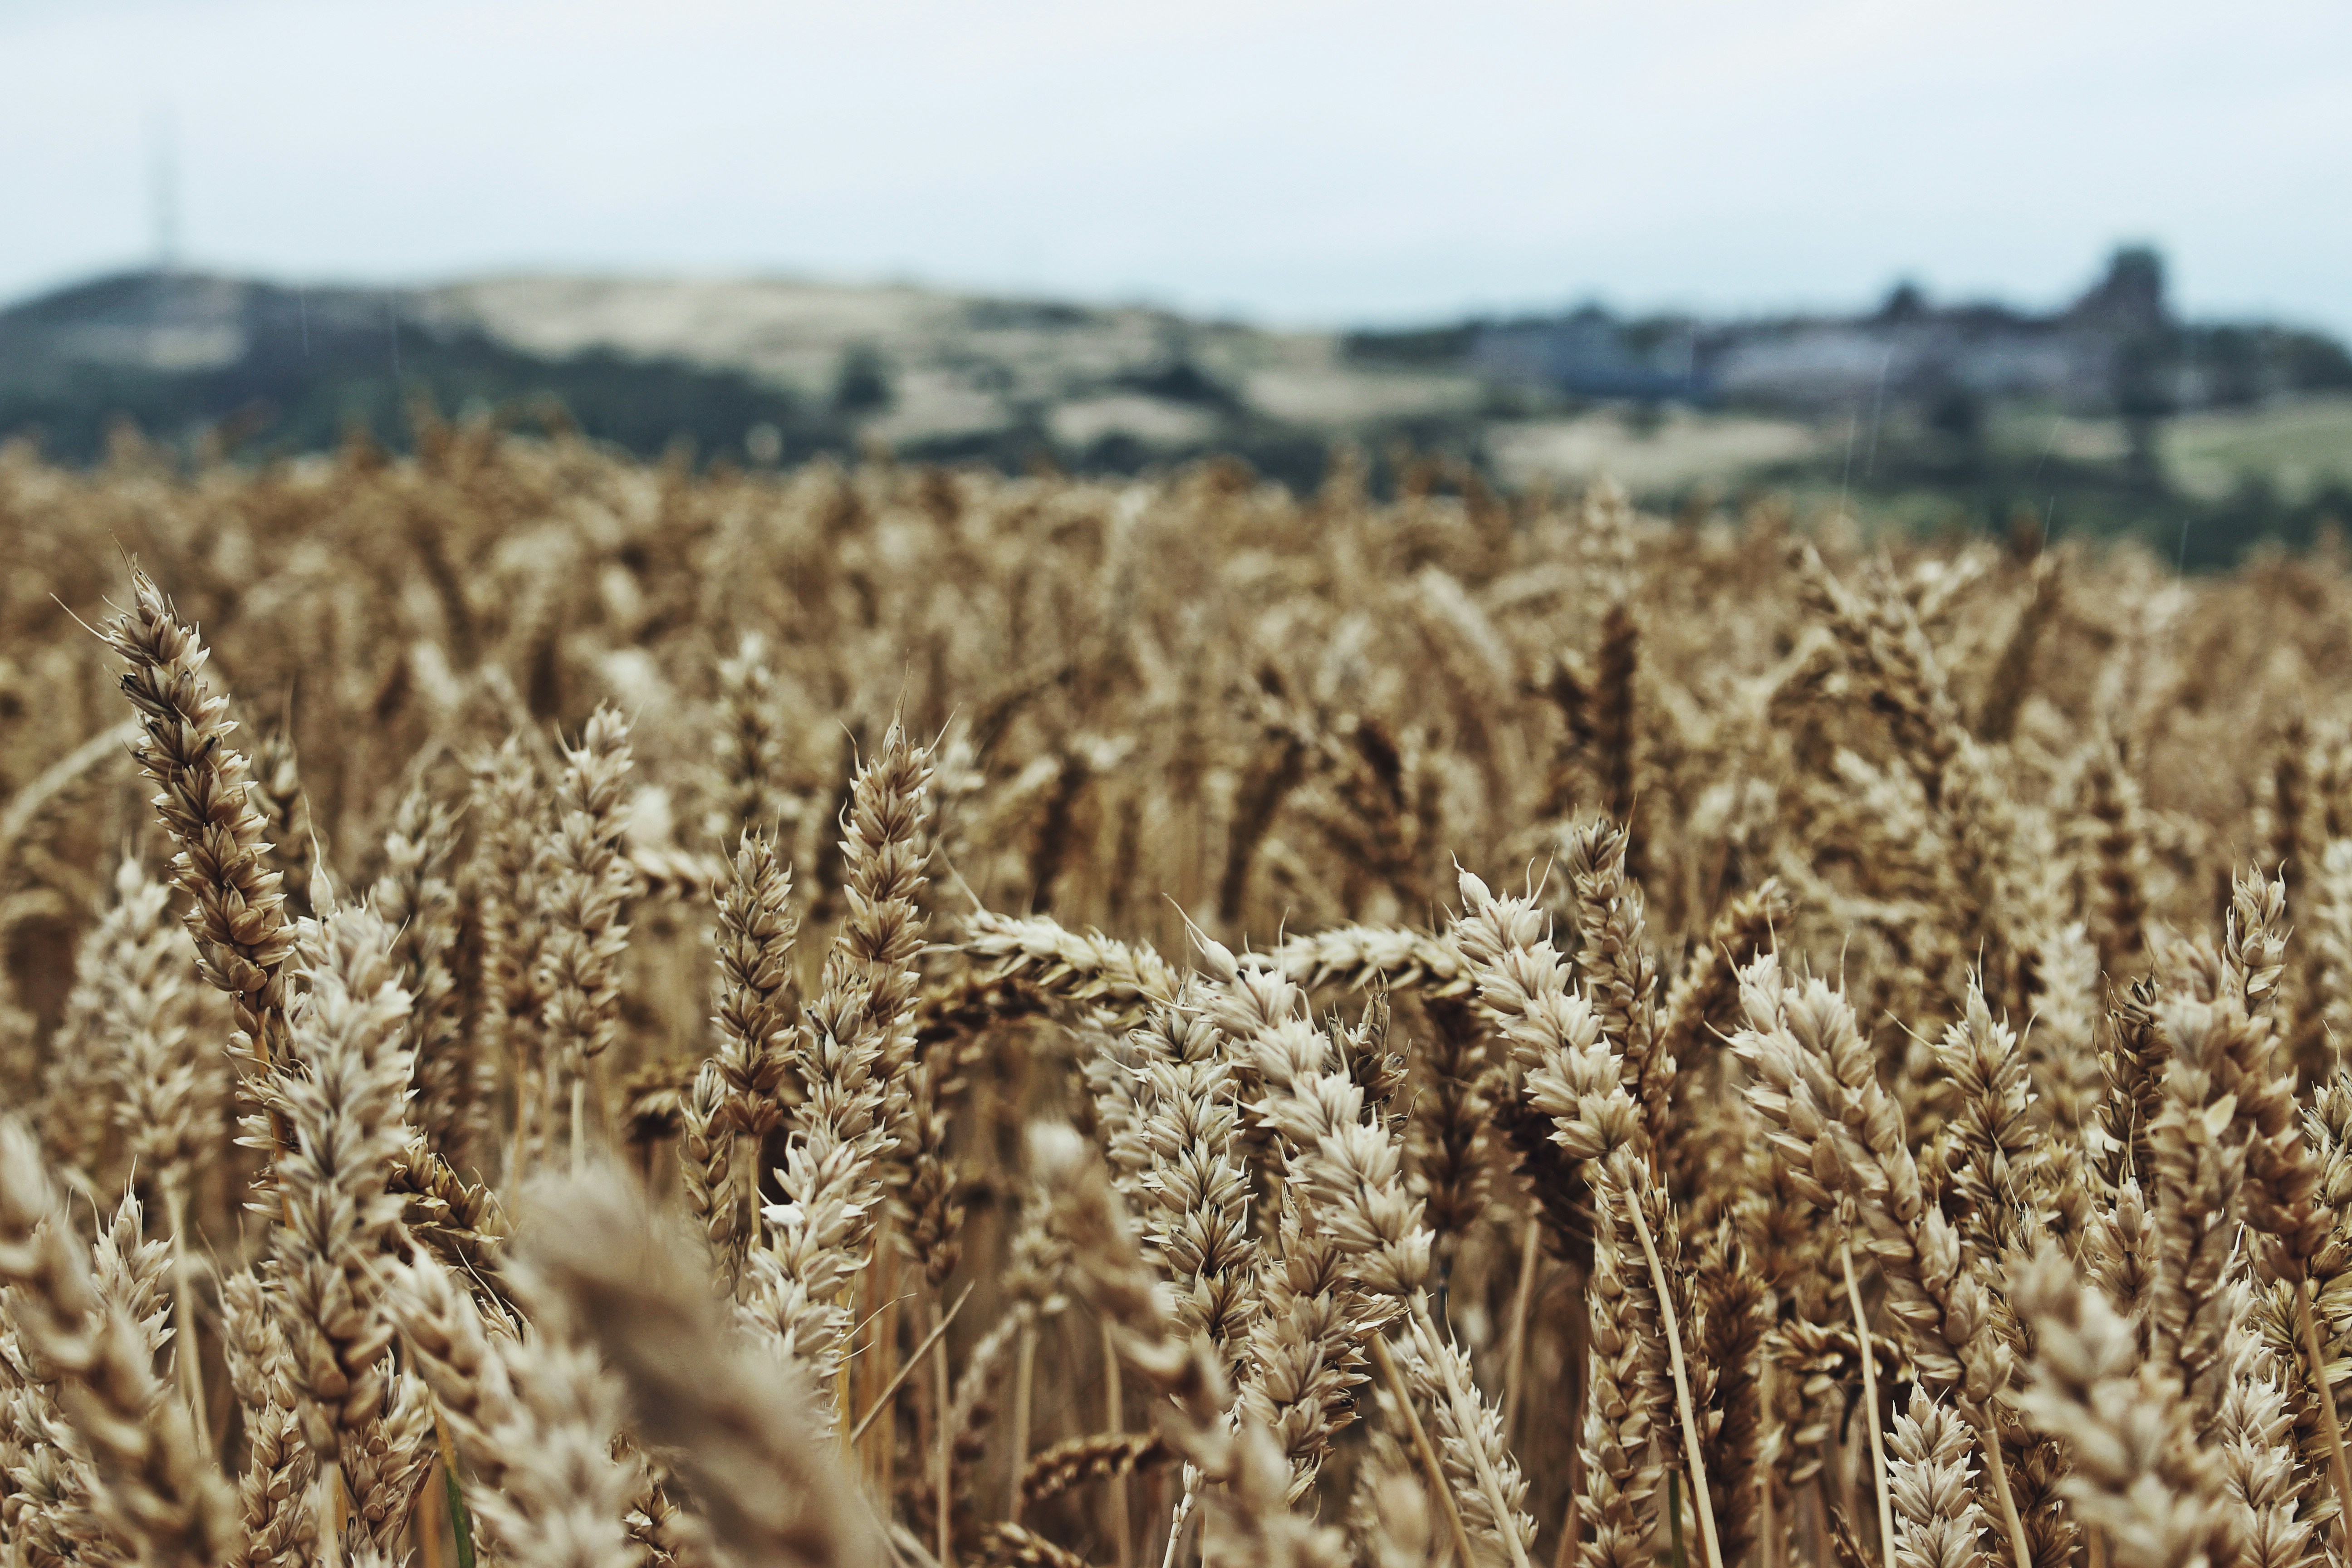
(2004, 267)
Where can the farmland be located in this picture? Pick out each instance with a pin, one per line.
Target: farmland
(566, 1010)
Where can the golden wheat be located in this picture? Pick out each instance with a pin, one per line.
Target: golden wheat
(905, 1016)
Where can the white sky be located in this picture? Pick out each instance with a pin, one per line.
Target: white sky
(1289, 160)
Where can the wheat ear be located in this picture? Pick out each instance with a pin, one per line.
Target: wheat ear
(508, 806)
(743, 1426)
(1196, 1189)
(706, 1156)
(1252, 1508)
(280, 1530)
(849, 1050)
(1816, 1085)
(1936, 1518)
(154, 1487)
(338, 1213)
(416, 900)
(560, 1495)
(748, 746)
(1575, 1076)
(1117, 978)
(2254, 1434)
(589, 882)
(756, 1011)
(756, 1001)
(2140, 1478)
(1100, 1455)
(1347, 1176)
(243, 935)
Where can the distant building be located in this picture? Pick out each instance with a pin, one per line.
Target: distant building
(2116, 349)
(1989, 353)
(1591, 353)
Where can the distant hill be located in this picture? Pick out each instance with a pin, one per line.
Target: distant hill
(754, 369)
(285, 370)
(2109, 413)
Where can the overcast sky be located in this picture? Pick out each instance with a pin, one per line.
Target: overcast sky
(1288, 161)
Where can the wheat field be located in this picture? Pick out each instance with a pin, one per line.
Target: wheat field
(582, 1014)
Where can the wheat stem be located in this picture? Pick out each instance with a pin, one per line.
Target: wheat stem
(906, 1370)
(187, 1353)
(942, 1434)
(1421, 1449)
(1870, 1402)
(1700, 1504)
(2324, 1395)
(1025, 1371)
(1181, 1518)
(1580, 1360)
(1515, 1355)
(461, 1519)
(1989, 1440)
(1768, 1516)
(1114, 1420)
